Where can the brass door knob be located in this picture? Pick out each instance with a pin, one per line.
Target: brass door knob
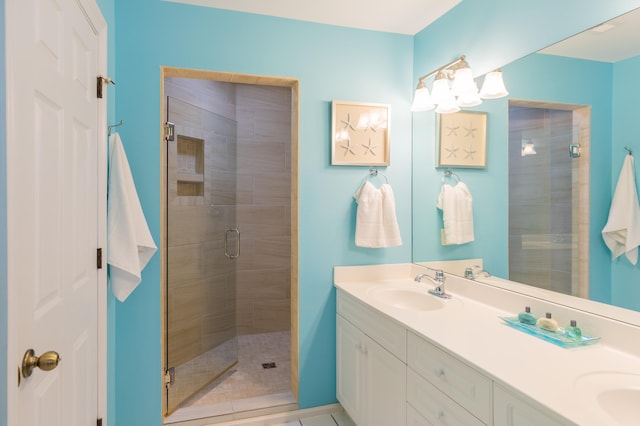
(46, 362)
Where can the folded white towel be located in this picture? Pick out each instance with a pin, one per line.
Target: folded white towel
(129, 242)
(622, 231)
(376, 222)
(457, 213)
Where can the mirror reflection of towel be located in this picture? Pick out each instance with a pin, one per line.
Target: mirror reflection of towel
(376, 222)
(129, 242)
(622, 231)
(457, 213)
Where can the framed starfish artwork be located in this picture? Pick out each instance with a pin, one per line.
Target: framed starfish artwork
(359, 134)
(462, 139)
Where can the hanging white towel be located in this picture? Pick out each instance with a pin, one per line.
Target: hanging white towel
(376, 222)
(622, 231)
(457, 213)
(130, 245)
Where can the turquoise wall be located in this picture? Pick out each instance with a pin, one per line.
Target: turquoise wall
(511, 37)
(331, 63)
(625, 277)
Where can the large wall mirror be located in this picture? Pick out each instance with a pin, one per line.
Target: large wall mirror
(583, 92)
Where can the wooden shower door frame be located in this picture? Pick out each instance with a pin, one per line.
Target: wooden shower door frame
(293, 84)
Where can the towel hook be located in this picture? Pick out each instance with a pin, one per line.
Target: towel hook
(448, 173)
(110, 127)
(374, 172)
(629, 149)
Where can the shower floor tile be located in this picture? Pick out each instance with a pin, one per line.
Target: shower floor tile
(248, 386)
(249, 378)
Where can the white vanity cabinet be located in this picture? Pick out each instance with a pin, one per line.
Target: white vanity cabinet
(371, 381)
(388, 375)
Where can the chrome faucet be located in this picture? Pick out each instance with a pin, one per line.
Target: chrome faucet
(474, 272)
(438, 280)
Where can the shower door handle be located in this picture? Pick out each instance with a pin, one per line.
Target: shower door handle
(226, 243)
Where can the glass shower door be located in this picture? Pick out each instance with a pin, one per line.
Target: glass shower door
(202, 245)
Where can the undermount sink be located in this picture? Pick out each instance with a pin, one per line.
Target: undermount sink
(408, 299)
(616, 393)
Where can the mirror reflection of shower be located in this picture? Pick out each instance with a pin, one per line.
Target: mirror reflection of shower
(228, 203)
(546, 183)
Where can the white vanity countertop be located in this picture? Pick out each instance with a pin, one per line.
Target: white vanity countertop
(473, 332)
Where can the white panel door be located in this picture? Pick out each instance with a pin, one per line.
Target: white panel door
(53, 194)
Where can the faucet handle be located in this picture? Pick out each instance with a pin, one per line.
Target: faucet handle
(439, 275)
(468, 273)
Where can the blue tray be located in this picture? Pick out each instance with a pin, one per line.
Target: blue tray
(550, 336)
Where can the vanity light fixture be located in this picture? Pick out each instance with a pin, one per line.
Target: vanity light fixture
(463, 91)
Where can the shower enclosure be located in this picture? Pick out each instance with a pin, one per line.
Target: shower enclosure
(230, 311)
(202, 246)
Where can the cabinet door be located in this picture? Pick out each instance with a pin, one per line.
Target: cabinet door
(349, 368)
(384, 386)
(511, 410)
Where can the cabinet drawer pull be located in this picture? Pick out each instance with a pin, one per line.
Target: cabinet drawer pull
(440, 372)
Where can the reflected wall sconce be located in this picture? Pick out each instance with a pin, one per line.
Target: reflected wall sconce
(528, 147)
(454, 88)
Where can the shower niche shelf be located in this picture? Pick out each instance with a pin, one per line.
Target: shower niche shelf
(190, 167)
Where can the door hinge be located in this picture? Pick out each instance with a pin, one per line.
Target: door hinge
(99, 422)
(169, 128)
(169, 376)
(99, 258)
(100, 83)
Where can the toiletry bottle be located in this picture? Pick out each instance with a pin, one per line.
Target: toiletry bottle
(548, 323)
(572, 331)
(527, 317)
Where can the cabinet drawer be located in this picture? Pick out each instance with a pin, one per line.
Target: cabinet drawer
(435, 406)
(510, 410)
(460, 382)
(389, 334)
(414, 418)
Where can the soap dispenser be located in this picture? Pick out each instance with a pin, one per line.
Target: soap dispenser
(527, 317)
(572, 331)
(548, 323)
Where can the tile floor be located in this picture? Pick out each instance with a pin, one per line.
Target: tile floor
(332, 415)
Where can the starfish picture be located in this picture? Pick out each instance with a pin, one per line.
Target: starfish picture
(348, 148)
(469, 153)
(453, 130)
(369, 148)
(451, 151)
(470, 131)
(347, 124)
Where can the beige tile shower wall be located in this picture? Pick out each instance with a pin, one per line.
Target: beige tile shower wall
(264, 204)
(540, 191)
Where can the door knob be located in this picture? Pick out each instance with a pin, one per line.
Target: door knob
(46, 362)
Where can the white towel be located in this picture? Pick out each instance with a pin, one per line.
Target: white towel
(622, 231)
(376, 222)
(457, 213)
(129, 242)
